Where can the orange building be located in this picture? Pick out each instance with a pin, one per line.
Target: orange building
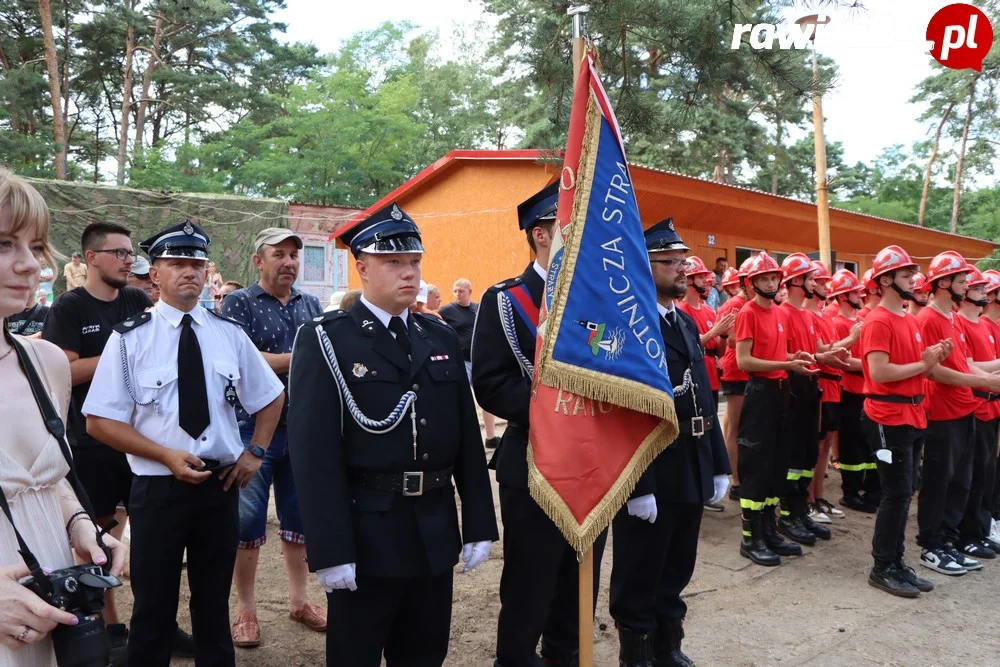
(465, 205)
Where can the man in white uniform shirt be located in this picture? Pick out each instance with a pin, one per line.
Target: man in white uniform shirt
(164, 393)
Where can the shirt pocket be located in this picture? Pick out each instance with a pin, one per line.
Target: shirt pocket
(227, 373)
(444, 372)
(154, 380)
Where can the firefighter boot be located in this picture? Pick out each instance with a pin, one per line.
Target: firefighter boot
(774, 541)
(635, 649)
(791, 527)
(667, 644)
(752, 545)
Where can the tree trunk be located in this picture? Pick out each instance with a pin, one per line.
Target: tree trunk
(961, 156)
(930, 163)
(52, 65)
(126, 94)
(147, 77)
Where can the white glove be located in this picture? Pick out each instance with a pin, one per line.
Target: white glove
(339, 577)
(721, 483)
(643, 507)
(475, 554)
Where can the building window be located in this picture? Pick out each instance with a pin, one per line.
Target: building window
(742, 254)
(850, 266)
(314, 264)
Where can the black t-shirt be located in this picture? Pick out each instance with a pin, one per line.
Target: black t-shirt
(29, 321)
(463, 320)
(78, 322)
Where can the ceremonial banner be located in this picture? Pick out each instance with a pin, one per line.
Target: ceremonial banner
(602, 405)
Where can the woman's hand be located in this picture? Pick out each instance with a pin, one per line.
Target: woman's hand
(24, 617)
(84, 541)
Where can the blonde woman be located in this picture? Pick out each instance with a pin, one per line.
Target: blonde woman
(32, 468)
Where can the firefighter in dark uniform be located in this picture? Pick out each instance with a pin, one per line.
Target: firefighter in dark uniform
(539, 585)
(383, 430)
(656, 534)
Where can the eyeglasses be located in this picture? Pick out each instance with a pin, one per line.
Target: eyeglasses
(682, 263)
(120, 253)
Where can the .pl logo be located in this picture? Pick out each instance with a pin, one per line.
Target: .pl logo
(960, 36)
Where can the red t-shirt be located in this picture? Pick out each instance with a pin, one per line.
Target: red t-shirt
(864, 313)
(831, 310)
(705, 318)
(801, 328)
(981, 346)
(849, 381)
(766, 327)
(830, 388)
(945, 401)
(899, 336)
(994, 329)
(730, 371)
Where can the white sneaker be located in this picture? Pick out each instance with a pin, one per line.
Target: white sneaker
(941, 561)
(995, 531)
(828, 509)
(817, 515)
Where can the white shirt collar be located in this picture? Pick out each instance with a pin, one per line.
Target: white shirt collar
(540, 271)
(663, 310)
(173, 316)
(382, 315)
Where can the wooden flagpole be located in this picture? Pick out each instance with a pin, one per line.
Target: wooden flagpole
(586, 580)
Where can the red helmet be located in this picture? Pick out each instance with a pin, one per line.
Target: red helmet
(696, 267)
(920, 283)
(844, 281)
(821, 272)
(744, 267)
(890, 258)
(760, 264)
(993, 276)
(976, 278)
(795, 265)
(867, 282)
(730, 277)
(946, 264)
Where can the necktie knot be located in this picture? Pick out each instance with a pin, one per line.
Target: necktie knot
(397, 327)
(187, 320)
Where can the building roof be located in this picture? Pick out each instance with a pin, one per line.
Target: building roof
(698, 203)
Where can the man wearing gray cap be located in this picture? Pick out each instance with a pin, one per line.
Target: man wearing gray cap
(271, 312)
(139, 277)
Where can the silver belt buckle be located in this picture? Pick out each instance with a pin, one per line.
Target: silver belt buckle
(407, 487)
(697, 426)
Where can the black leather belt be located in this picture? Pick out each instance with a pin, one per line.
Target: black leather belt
(779, 383)
(985, 394)
(696, 426)
(906, 400)
(829, 376)
(406, 483)
(858, 373)
(712, 353)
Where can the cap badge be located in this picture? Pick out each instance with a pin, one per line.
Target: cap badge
(670, 225)
(396, 213)
(188, 228)
(359, 370)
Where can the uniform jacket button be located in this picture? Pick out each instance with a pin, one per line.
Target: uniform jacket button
(158, 383)
(415, 387)
(425, 457)
(423, 422)
(374, 372)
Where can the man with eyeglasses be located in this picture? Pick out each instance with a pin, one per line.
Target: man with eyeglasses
(80, 321)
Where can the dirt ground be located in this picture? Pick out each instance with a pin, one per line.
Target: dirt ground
(814, 610)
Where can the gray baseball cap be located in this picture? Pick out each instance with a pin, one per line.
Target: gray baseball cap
(274, 236)
(140, 266)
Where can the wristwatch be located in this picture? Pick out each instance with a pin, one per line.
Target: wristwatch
(255, 450)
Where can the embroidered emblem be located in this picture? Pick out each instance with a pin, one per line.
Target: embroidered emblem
(318, 319)
(359, 370)
(396, 213)
(440, 357)
(188, 229)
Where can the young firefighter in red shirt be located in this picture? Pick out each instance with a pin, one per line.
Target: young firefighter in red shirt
(734, 380)
(820, 510)
(969, 532)
(896, 360)
(872, 296)
(711, 327)
(762, 351)
(949, 445)
(921, 294)
(991, 317)
(858, 475)
(799, 428)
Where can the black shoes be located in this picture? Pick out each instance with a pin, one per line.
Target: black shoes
(183, 645)
(774, 541)
(819, 530)
(493, 443)
(792, 528)
(858, 504)
(909, 575)
(890, 579)
(635, 649)
(667, 645)
(752, 545)
(977, 549)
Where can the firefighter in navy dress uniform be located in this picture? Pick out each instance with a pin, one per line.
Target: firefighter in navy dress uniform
(382, 429)
(656, 534)
(539, 584)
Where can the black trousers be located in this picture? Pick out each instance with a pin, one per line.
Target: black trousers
(762, 454)
(539, 587)
(653, 563)
(994, 504)
(406, 619)
(854, 450)
(898, 482)
(169, 516)
(799, 431)
(947, 478)
(974, 523)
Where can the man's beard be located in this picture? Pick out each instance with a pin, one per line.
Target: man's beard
(675, 290)
(113, 281)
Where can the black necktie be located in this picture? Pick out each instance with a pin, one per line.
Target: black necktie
(672, 318)
(397, 327)
(192, 396)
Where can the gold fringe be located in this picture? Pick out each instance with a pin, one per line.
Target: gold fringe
(607, 388)
(581, 536)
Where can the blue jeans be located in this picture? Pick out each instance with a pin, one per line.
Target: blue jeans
(276, 468)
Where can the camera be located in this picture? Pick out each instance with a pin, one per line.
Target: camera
(78, 590)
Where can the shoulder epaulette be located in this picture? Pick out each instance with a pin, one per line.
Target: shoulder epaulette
(134, 322)
(329, 316)
(506, 284)
(425, 317)
(224, 318)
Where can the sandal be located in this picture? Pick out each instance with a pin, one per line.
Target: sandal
(246, 631)
(310, 616)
